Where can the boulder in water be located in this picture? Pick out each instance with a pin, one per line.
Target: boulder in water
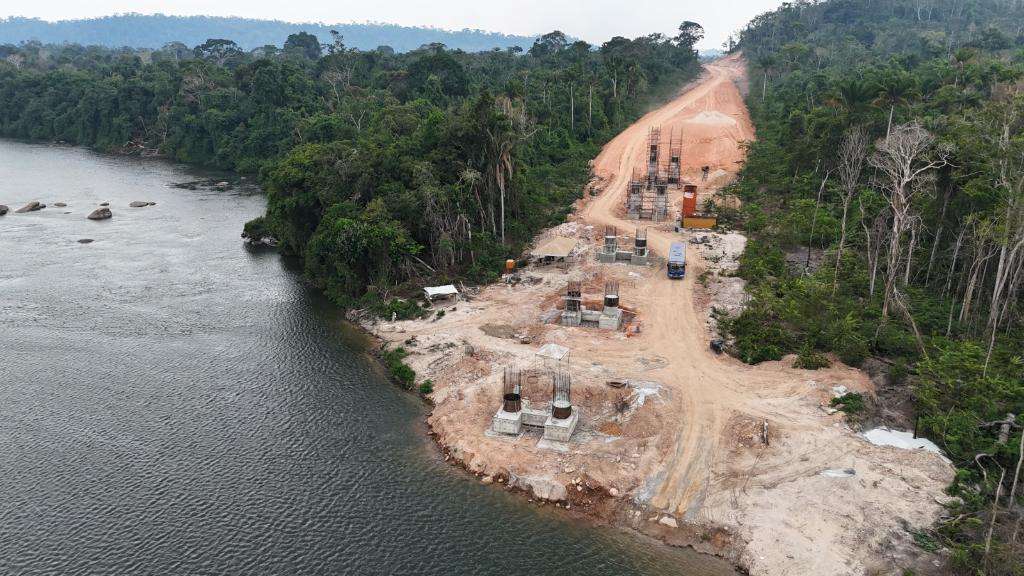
(60, 205)
(3, 209)
(140, 204)
(104, 203)
(100, 214)
(30, 207)
(84, 240)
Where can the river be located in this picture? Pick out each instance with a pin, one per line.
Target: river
(172, 402)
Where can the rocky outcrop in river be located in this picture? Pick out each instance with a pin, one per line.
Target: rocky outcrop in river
(30, 207)
(100, 214)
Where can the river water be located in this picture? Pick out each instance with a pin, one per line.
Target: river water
(172, 402)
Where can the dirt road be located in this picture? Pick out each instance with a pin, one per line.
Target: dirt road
(702, 478)
(714, 122)
(692, 451)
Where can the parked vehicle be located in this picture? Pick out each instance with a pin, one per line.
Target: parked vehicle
(677, 260)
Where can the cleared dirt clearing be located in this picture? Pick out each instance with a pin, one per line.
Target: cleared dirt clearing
(681, 444)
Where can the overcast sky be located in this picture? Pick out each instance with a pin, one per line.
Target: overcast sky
(592, 20)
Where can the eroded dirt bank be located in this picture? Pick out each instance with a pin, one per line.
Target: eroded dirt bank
(679, 451)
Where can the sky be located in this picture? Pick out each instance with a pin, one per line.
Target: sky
(592, 20)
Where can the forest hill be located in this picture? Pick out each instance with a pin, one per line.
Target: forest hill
(380, 167)
(889, 139)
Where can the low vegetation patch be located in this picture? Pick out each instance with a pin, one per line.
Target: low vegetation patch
(399, 370)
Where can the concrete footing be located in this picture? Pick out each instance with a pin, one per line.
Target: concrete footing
(507, 422)
(611, 319)
(627, 256)
(607, 319)
(556, 430)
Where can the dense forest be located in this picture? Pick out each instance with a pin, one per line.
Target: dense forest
(885, 201)
(153, 31)
(383, 170)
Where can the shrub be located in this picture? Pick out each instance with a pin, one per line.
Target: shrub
(809, 359)
(760, 261)
(400, 309)
(851, 403)
(426, 387)
(399, 370)
(256, 228)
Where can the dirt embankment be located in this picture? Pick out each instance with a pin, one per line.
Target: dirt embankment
(694, 447)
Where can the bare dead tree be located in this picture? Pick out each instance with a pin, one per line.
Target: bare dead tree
(1010, 183)
(902, 159)
(874, 236)
(852, 153)
(814, 218)
(938, 232)
(981, 245)
(995, 500)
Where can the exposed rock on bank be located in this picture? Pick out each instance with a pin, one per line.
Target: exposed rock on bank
(541, 487)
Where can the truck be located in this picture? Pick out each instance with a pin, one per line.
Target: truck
(677, 260)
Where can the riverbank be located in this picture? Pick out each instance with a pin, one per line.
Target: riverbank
(176, 402)
(693, 448)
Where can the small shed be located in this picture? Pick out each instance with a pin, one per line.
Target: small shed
(558, 249)
(446, 292)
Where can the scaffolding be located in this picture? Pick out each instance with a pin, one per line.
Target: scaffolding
(561, 404)
(611, 315)
(653, 151)
(573, 313)
(659, 205)
(611, 240)
(640, 243)
(635, 196)
(647, 192)
(611, 295)
(512, 390)
(675, 155)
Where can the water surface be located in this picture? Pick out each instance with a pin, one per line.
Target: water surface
(174, 403)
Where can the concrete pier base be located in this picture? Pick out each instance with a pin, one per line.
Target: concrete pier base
(556, 430)
(507, 422)
(611, 319)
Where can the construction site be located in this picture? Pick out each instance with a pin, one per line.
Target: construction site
(589, 383)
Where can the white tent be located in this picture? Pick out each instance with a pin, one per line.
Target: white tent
(434, 292)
